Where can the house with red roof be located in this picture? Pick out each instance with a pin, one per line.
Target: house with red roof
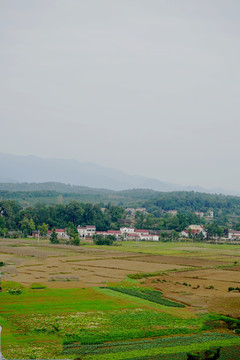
(233, 234)
(62, 233)
(87, 231)
(194, 230)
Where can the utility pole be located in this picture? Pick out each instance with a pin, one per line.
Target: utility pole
(38, 237)
(1, 357)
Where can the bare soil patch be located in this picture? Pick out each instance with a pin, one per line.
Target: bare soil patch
(202, 289)
(180, 260)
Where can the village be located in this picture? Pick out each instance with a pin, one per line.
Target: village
(130, 233)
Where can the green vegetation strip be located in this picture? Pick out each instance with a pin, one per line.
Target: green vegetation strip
(141, 353)
(144, 344)
(146, 294)
(227, 353)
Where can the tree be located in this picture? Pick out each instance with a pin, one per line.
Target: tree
(139, 219)
(54, 237)
(43, 229)
(74, 212)
(175, 235)
(71, 230)
(2, 222)
(75, 240)
(27, 226)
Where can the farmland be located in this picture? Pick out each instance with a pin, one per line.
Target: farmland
(129, 301)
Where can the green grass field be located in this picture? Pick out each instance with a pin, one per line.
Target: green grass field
(37, 323)
(174, 248)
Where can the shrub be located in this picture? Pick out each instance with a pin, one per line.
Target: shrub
(212, 354)
(104, 240)
(36, 286)
(232, 288)
(15, 291)
(12, 287)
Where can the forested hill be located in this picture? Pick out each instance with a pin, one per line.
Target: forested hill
(27, 194)
(51, 186)
(155, 202)
(185, 202)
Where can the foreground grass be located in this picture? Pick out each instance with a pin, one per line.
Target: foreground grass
(18, 312)
(155, 352)
(37, 323)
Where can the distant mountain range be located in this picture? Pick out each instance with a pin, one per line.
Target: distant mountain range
(33, 169)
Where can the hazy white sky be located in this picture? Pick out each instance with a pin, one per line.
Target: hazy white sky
(150, 87)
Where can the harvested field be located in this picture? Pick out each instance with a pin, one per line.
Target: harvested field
(202, 289)
(64, 266)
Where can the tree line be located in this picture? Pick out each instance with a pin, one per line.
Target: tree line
(13, 217)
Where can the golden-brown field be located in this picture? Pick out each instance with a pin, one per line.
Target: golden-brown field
(197, 275)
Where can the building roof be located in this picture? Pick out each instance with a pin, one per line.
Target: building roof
(57, 230)
(234, 232)
(114, 232)
(142, 231)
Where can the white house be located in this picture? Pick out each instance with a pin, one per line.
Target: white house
(172, 212)
(132, 236)
(116, 233)
(126, 230)
(149, 237)
(142, 232)
(62, 233)
(233, 234)
(195, 230)
(87, 231)
(142, 210)
(199, 213)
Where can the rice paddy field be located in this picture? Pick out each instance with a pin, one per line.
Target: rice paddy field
(128, 301)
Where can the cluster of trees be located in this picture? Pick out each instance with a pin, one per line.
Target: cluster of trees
(14, 217)
(178, 223)
(189, 202)
(71, 232)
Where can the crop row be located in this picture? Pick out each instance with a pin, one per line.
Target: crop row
(200, 347)
(226, 353)
(144, 344)
(146, 294)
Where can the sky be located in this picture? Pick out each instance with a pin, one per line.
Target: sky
(149, 87)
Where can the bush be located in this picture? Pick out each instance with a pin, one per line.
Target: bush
(36, 286)
(232, 288)
(12, 287)
(15, 291)
(75, 240)
(54, 237)
(212, 354)
(104, 240)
